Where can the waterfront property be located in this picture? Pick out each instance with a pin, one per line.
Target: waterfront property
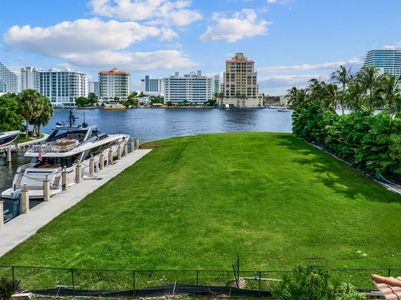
(240, 87)
(152, 86)
(193, 88)
(114, 85)
(8, 80)
(388, 61)
(199, 201)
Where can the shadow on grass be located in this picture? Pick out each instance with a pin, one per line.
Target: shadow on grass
(336, 175)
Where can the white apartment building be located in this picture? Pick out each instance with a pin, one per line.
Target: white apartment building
(193, 88)
(152, 86)
(94, 87)
(62, 87)
(114, 85)
(8, 80)
(30, 78)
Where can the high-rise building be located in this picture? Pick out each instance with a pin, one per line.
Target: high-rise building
(216, 84)
(30, 78)
(240, 87)
(8, 80)
(62, 87)
(387, 61)
(94, 87)
(114, 85)
(152, 86)
(193, 88)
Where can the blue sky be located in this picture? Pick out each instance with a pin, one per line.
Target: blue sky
(290, 41)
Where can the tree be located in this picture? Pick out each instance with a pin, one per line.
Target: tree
(368, 77)
(390, 91)
(343, 77)
(355, 94)
(81, 101)
(29, 107)
(156, 99)
(10, 119)
(297, 98)
(92, 98)
(44, 117)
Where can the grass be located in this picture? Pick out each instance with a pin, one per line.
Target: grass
(22, 138)
(199, 201)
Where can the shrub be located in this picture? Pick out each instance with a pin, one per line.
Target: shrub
(7, 288)
(305, 283)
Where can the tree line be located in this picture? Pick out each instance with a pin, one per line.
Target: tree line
(29, 107)
(369, 137)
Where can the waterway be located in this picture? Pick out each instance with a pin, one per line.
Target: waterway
(154, 124)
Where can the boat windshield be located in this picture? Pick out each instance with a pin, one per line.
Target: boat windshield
(58, 134)
(56, 162)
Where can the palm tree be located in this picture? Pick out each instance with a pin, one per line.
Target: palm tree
(46, 113)
(28, 107)
(342, 76)
(317, 91)
(332, 95)
(390, 90)
(297, 98)
(368, 77)
(355, 94)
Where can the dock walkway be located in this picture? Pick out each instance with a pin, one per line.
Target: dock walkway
(24, 226)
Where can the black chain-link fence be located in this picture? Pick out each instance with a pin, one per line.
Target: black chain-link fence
(88, 282)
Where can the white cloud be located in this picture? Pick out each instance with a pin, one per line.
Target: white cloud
(243, 24)
(97, 43)
(166, 12)
(277, 1)
(137, 61)
(276, 80)
(309, 67)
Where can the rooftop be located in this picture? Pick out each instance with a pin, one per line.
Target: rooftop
(114, 71)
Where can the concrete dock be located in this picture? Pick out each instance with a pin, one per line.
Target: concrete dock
(24, 226)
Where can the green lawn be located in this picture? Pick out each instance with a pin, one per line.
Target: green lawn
(199, 201)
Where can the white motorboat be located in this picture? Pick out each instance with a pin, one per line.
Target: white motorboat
(8, 137)
(65, 147)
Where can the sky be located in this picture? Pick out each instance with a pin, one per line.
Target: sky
(291, 41)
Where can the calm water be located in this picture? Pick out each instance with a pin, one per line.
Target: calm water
(153, 124)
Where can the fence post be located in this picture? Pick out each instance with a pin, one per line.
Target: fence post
(13, 275)
(389, 272)
(73, 280)
(260, 281)
(133, 282)
(197, 277)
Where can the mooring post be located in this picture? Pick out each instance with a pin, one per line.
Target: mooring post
(91, 166)
(64, 179)
(125, 148)
(119, 152)
(137, 143)
(110, 158)
(9, 154)
(24, 205)
(101, 161)
(78, 173)
(132, 142)
(46, 189)
(1, 214)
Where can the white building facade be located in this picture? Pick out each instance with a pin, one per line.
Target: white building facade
(94, 87)
(63, 87)
(193, 88)
(8, 80)
(114, 85)
(30, 78)
(152, 86)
